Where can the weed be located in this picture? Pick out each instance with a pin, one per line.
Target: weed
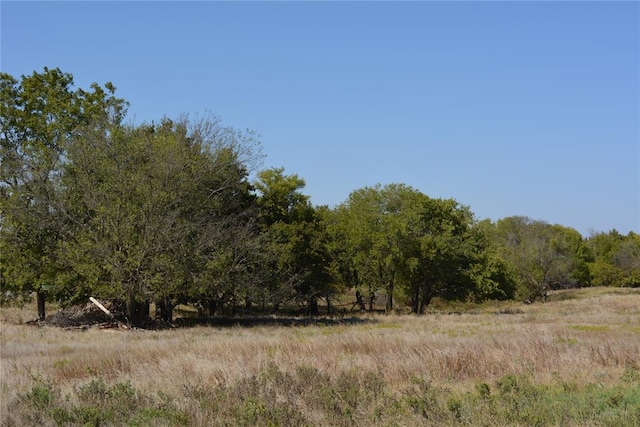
(426, 402)
(40, 397)
(631, 374)
(483, 390)
(60, 364)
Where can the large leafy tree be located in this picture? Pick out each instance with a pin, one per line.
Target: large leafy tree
(374, 224)
(295, 241)
(544, 256)
(395, 235)
(452, 258)
(38, 115)
(615, 259)
(158, 211)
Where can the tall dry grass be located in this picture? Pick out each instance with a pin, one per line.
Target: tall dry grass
(583, 337)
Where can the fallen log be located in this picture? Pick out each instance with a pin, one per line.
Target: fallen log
(100, 306)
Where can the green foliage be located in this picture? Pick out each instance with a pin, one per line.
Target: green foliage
(616, 259)
(295, 240)
(309, 397)
(428, 401)
(395, 235)
(277, 398)
(540, 256)
(94, 403)
(453, 258)
(92, 207)
(374, 224)
(163, 211)
(38, 116)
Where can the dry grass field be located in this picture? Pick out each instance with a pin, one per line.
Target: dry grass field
(574, 360)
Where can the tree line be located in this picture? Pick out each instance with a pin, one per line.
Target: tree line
(168, 213)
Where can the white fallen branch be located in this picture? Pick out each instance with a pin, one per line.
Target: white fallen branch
(100, 306)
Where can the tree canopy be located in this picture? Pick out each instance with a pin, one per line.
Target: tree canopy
(38, 115)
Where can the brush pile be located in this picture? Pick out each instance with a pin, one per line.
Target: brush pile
(85, 316)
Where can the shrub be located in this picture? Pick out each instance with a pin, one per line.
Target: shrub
(96, 403)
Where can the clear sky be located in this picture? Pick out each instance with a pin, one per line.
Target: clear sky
(511, 108)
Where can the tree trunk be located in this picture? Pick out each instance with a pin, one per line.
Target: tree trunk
(389, 307)
(212, 307)
(328, 300)
(313, 306)
(40, 300)
(138, 312)
(415, 300)
(164, 310)
(426, 299)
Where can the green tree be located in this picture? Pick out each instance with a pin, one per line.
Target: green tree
(543, 256)
(453, 260)
(375, 225)
(616, 259)
(394, 236)
(628, 260)
(497, 278)
(334, 254)
(157, 209)
(38, 114)
(295, 239)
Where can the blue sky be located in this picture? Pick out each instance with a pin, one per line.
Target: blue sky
(511, 108)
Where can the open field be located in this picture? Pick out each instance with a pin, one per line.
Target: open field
(574, 360)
